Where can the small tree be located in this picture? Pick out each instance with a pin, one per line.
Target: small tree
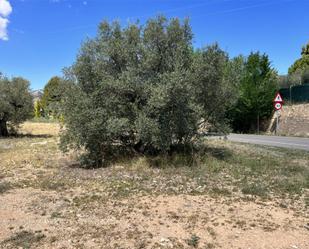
(15, 103)
(38, 109)
(52, 98)
(256, 92)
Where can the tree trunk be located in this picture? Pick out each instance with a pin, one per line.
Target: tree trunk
(3, 129)
(258, 123)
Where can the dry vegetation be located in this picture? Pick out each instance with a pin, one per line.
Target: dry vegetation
(230, 196)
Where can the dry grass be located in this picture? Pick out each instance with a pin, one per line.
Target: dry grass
(43, 129)
(228, 193)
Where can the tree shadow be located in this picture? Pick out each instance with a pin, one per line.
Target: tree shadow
(173, 159)
(222, 154)
(28, 135)
(189, 159)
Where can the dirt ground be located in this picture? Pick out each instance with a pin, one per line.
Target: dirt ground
(46, 201)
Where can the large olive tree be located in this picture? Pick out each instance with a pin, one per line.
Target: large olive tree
(143, 88)
(15, 103)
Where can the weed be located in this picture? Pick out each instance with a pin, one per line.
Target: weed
(221, 191)
(209, 246)
(241, 223)
(87, 199)
(4, 187)
(211, 231)
(56, 215)
(254, 189)
(24, 239)
(193, 241)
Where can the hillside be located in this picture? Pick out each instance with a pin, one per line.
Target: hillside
(294, 120)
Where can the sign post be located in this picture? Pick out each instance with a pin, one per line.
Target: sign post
(278, 102)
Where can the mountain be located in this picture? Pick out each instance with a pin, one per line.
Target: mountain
(37, 94)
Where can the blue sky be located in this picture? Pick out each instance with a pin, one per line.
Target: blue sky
(43, 36)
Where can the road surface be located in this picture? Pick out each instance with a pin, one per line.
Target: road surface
(278, 141)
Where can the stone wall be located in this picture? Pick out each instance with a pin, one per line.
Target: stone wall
(293, 121)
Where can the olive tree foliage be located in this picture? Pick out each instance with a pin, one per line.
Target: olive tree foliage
(215, 81)
(15, 103)
(142, 88)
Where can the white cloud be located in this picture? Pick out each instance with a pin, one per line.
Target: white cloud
(5, 8)
(3, 28)
(5, 11)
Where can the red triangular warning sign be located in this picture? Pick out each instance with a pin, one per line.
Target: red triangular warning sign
(278, 98)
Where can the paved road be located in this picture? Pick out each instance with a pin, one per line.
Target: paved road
(286, 142)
